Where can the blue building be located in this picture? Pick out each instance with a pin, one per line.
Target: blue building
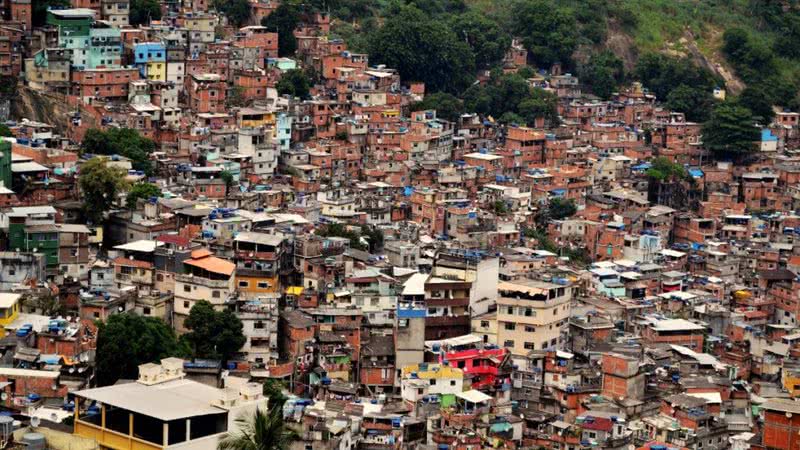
(151, 59)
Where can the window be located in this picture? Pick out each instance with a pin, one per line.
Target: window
(263, 285)
(146, 311)
(530, 329)
(510, 326)
(259, 325)
(186, 288)
(244, 284)
(530, 346)
(433, 381)
(529, 312)
(510, 310)
(215, 294)
(508, 343)
(96, 314)
(484, 324)
(452, 382)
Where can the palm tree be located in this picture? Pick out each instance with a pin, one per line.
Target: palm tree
(263, 431)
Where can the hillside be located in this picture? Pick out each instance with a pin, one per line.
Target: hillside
(574, 31)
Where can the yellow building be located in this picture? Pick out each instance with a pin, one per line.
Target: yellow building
(421, 380)
(532, 315)
(485, 327)
(9, 310)
(256, 118)
(258, 257)
(157, 71)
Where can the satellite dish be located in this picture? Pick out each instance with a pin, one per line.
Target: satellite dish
(35, 421)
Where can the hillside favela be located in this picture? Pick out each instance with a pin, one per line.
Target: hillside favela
(400, 224)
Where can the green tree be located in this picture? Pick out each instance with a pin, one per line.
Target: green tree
(447, 106)
(502, 94)
(295, 83)
(423, 49)
(487, 39)
(237, 11)
(283, 21)
(213, 334)
(126, 142)
(5, 131)
(127, 340)
(374, 236)
(511, 118)
(758, 100)
(339, 230)
(548, 30)
(39, 10)
(500, 208)
(141, 190)
(99, 186)
(603, 74)
(695, 104)
(730, 131)
(752, 58)
(143, 11)
(235, 97)
(227, 177)
(561, 208)
(540, 105)
(265, 430)
(663, 73)
(273, 390)
(663, 169)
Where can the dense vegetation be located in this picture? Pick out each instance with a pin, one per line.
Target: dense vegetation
(668, 46)
(125, 142)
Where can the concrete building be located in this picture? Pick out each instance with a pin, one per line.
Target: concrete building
(532, 315)
(163, 410)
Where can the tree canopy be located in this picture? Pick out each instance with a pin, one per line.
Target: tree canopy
(125, 142)
(540, 104)
(549, 30)
(447, 106)
(143, 11)
(510, 98)
(213, 334)
(125, 341)
(730, 131)
(487, 39)
(603, 74)
(295, 83)
(264, 430)
(283, 21)
(99, 184)
(423, 49)
(141, 190)
(663, 169)
(237, 11)
(561, 208)
(679, 82)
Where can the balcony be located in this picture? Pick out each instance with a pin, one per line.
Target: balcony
(200, 281)
(444, 321)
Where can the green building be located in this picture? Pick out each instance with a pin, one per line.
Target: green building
(91, 44)
(33, 229)
(43, 239)
(5, 164)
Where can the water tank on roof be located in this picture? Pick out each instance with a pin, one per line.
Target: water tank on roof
(34, 441)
